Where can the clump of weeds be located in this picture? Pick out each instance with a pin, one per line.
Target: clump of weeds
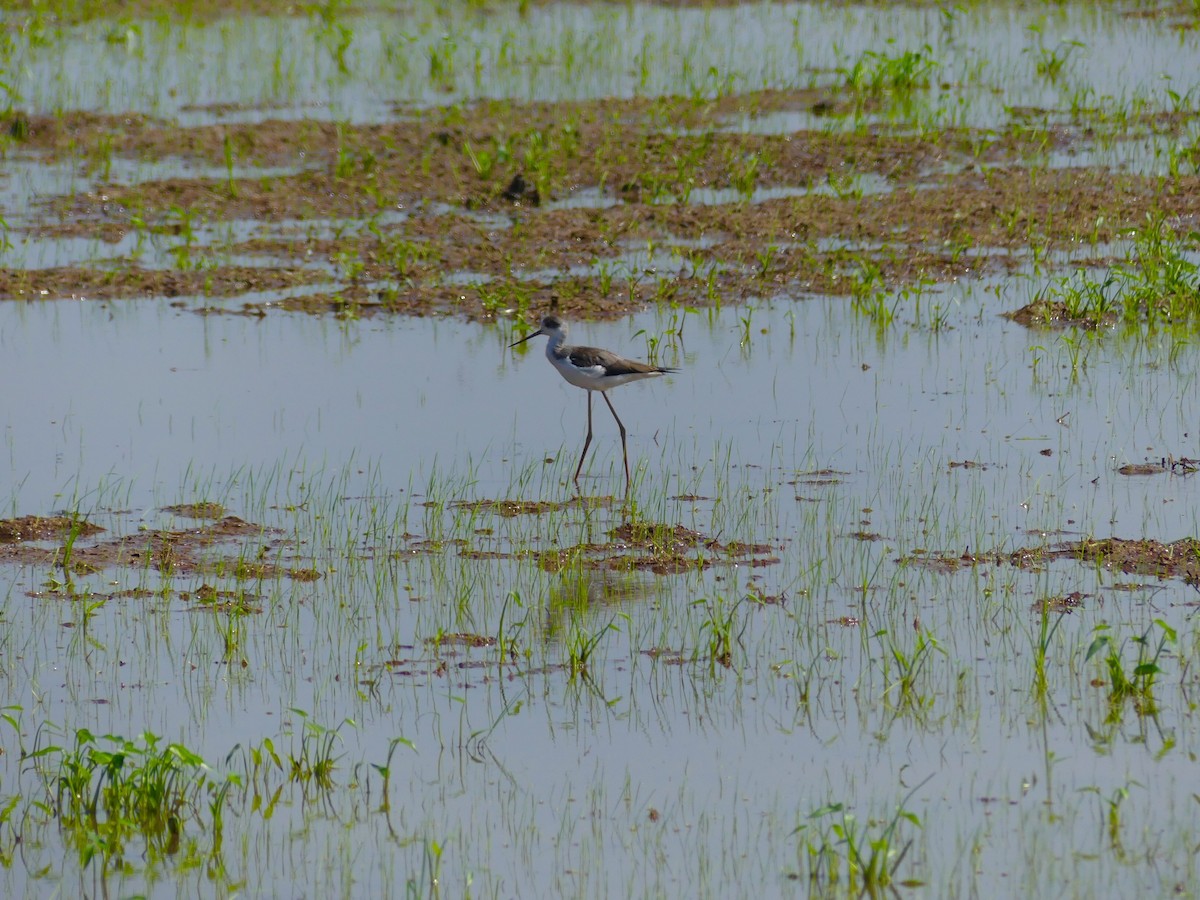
(907, 666)
(877, 73)
(718, 630)
(1041, 646)
(855, 858)
(112, 795)
(1137, 684)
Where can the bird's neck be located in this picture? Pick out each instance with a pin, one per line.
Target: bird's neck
(553, 344)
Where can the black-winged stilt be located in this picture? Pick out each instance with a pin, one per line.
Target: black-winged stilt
(592, 369)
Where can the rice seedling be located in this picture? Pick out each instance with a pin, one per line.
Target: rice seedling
(900, 74)
(442, 62)
(230, 181)
(314, 762)
(909, 664)
(744, 171)
(385, 770)
(1157, 283)
(745, 326)
(1050, 62)
(853, 858)
(870, 299)
(427, 882)
(581, 647)
(114, 795)
(717, 630)
(336, 35)
(1042, 641)
(1136, 685)
(182, 223)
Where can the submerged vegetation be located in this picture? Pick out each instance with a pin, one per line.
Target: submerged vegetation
(863, 625)
(600, 205)
(1156, 284)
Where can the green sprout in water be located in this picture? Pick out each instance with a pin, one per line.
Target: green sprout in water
(111, 794)
(1157, 283)
(1049, 62)
(857, 858)
(581, 647)
(718, 630)
(385, 770)
(1041, 646)
(315, 762)
(1138, 684)
(877, 73)
(908, 665)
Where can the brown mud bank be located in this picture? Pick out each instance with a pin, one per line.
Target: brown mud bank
(593, 208)
(74, 546)
(1141, 556)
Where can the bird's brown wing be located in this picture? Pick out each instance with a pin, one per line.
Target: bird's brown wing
(594, 357)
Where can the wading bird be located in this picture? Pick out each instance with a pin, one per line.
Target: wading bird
(592, 369)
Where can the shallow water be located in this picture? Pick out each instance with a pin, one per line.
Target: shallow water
(159, 387)
(288, 66)
(350, 419)
(363, 449)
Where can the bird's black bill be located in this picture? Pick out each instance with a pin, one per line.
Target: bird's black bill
(527, 337)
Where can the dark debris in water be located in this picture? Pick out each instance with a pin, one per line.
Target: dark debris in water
(1180, 466)
(1045, 312)
(211, 599)
(1141, 469)
(1064, 604)
(653, 536)
(667, 655)
(461, 639)
(819, 476)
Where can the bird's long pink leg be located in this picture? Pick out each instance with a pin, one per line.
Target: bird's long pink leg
(587, 442)
(624, 445)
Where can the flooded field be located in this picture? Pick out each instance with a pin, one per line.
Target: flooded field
(300, 598)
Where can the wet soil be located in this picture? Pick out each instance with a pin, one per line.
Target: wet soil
(477, 191)
(202, 510)
(44, 528)
(133, 281)
(511, 508)
(658, 548)
(43, 542)
(1143, 556)
(231, 548)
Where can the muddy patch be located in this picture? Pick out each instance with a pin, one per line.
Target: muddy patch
(1064, 603)
(45, 528)
(181, 552)
(129, 282)
(657, 548)
(511, 508)
(207, 598)
(461, 639)
(1179, 559)
(202, 510)
(498, 208)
